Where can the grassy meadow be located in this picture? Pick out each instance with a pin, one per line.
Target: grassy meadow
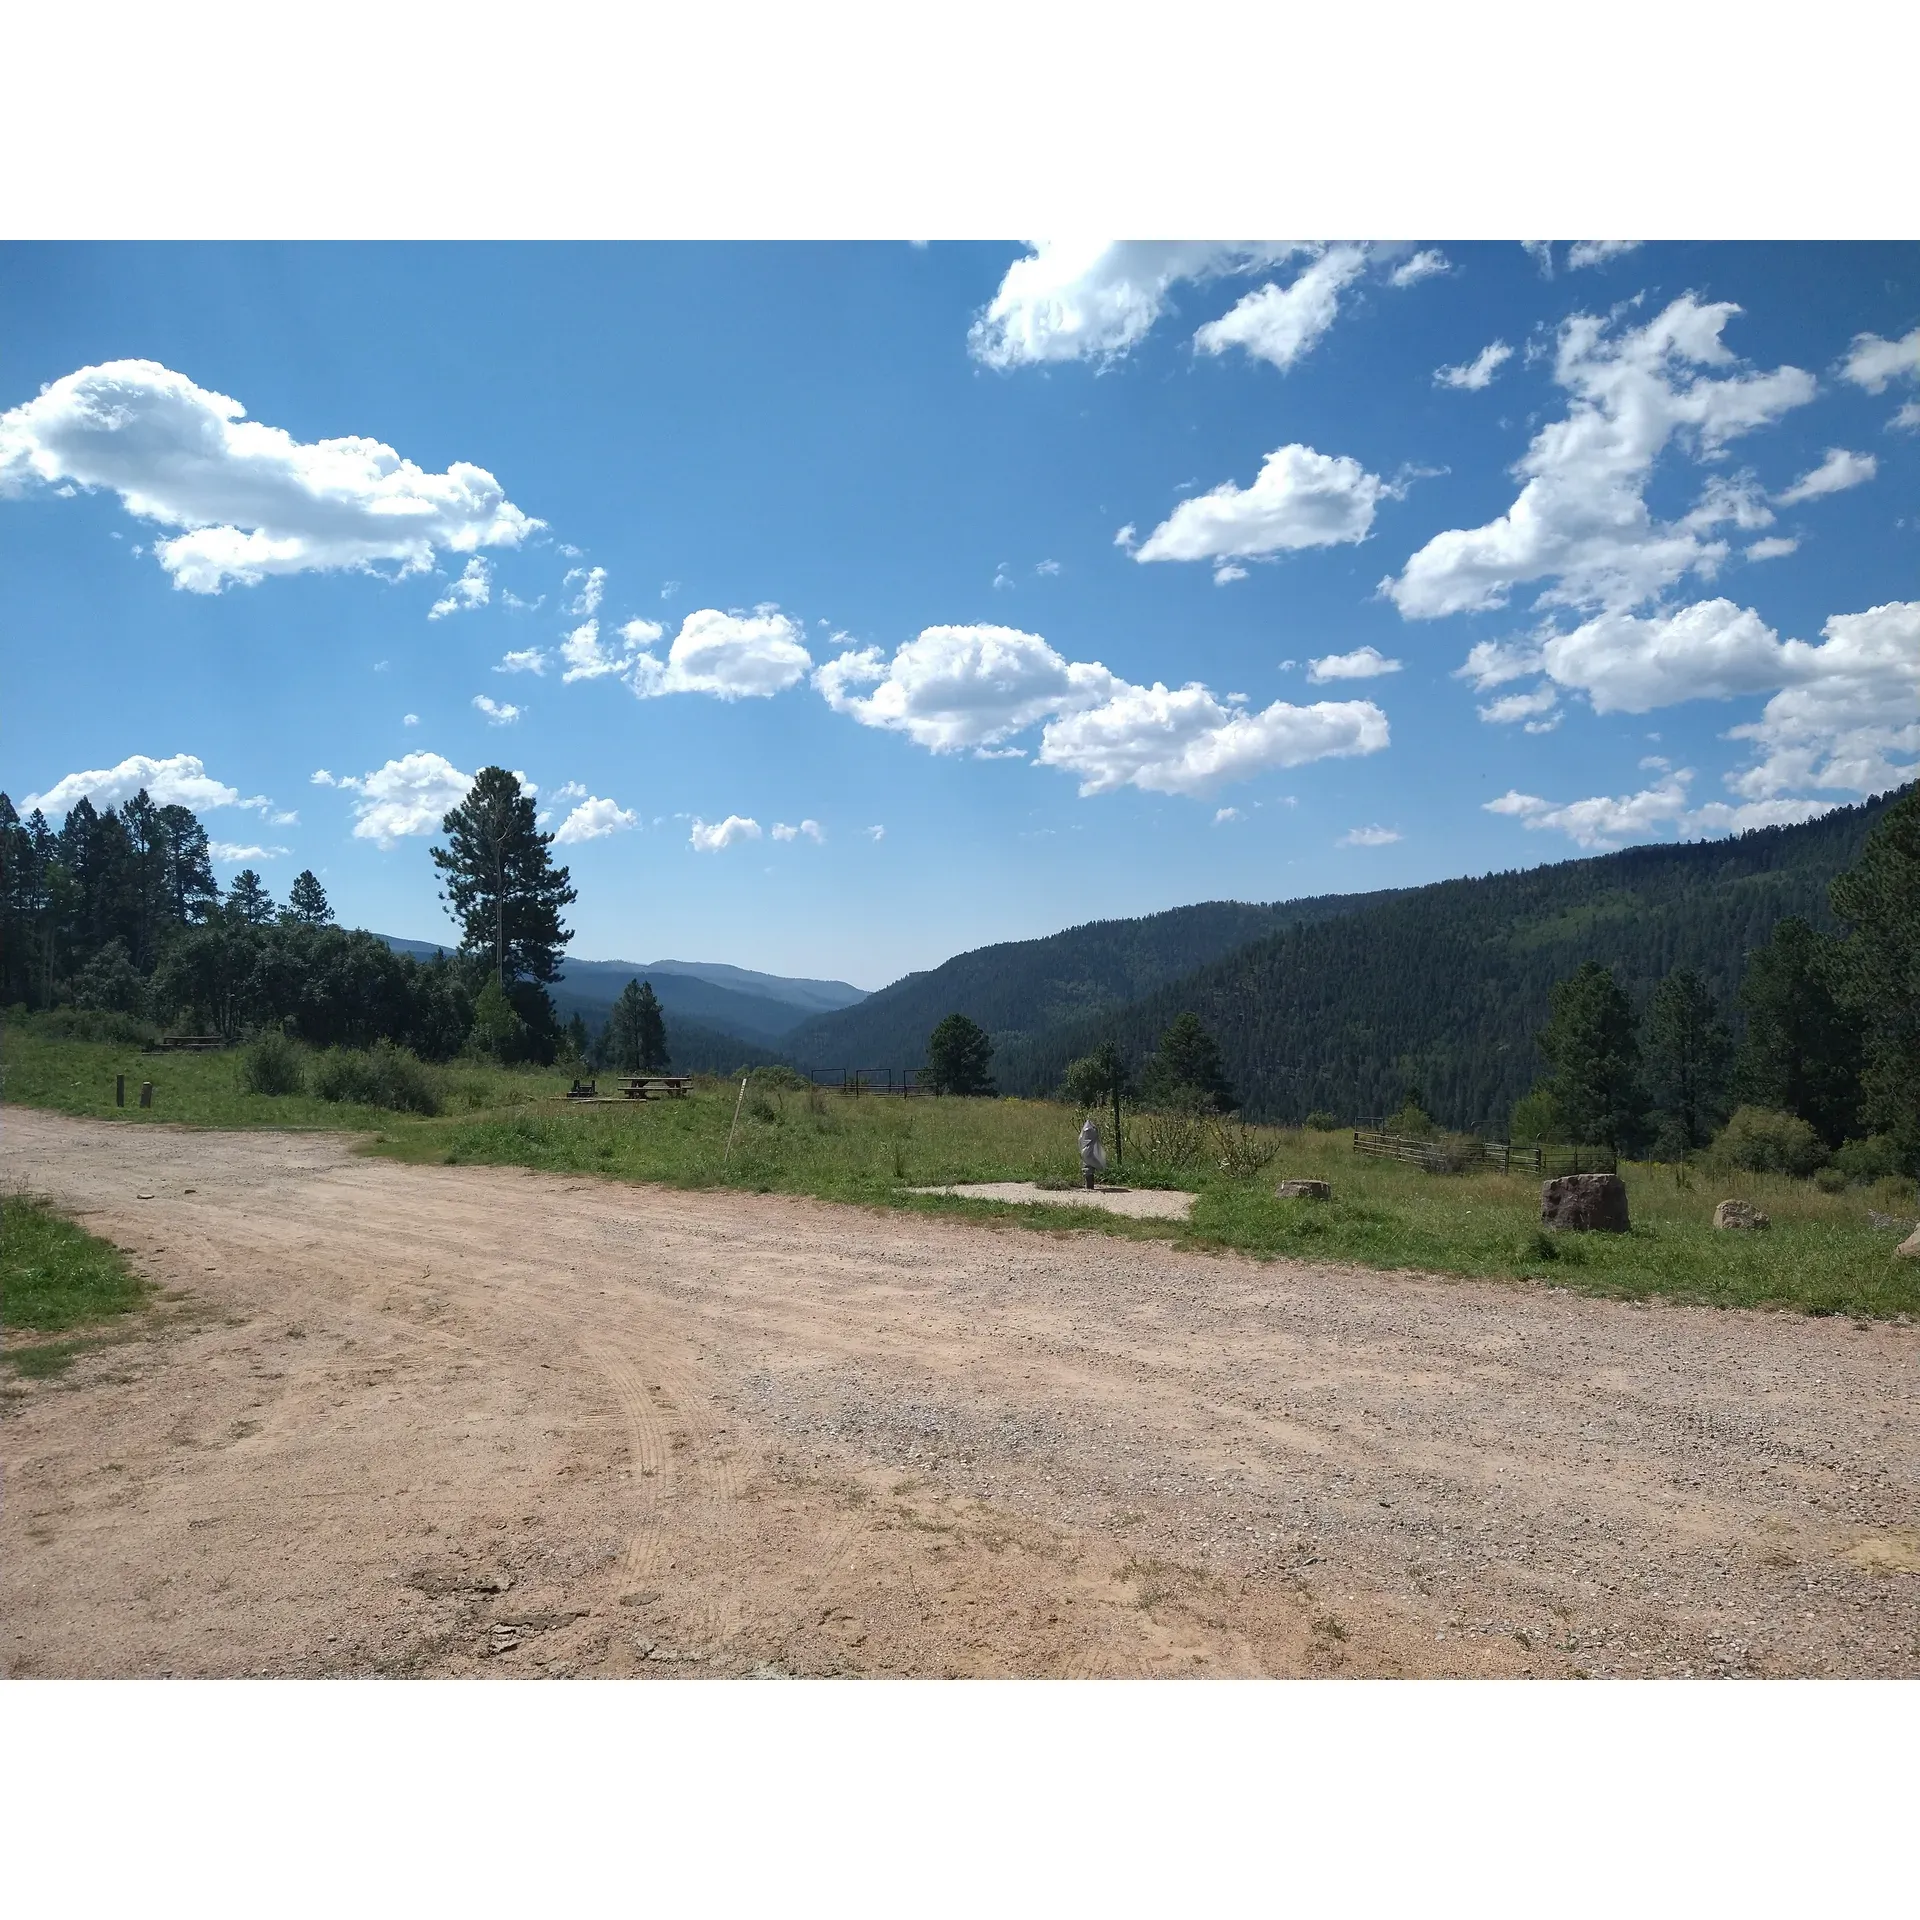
(1823, 1254)
(55, 1277)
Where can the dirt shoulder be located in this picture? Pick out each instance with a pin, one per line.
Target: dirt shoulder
(419, 1420)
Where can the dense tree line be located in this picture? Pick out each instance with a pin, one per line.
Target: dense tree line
(1447, 986)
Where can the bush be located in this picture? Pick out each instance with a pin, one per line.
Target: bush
(90, 1023)
(1410, 1123)
(1830, 1180)
(779, 1079)
(1453, 1153)
(273, 1064)
(1536, 1117)
(1870, 1159)
(1320, 1121)
(384, 1076)
(1757, 1140)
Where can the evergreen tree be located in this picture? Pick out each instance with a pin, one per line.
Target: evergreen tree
(1688, 1050)
(636, 1039)
(501, 882)
(1591, 1046)
(1098, 1078)
(1878, 969)
(958, 1055)
(191, 892)
(498, 1031)
(248, 900)
(1186, 1072)
(576, 1042)
(307, 901)
(109, 981)
(1803, 1045)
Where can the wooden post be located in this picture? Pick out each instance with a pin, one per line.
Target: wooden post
(119, 1089)
(146, 1093)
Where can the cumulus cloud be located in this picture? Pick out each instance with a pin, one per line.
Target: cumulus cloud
(957, 687)
(876, 834)
(1227, 815)
(406, 798)
(592, 819)
(807, 829)
(523, 660)
(1475, 374)
(1093, 300)
(1299, 499)
(1283, 324)
(1873, 362)
(722, 834)
(586, 659)
(1596, 253)
(253, 500)
(1422, 266)
(231, 852)
(1835, 474)
(1606, 820)
(1773, 548)
(180, 780)
(1580, 519)
(731, 656)
(1367, 837)
(474, 588)
(588, 586)
(1188, 741)
(1364, 663)
(1538, 710)
(409, 719)
(498, 713)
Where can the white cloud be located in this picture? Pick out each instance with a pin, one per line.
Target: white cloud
(956, 687)
(1299, 499)
(405, 798)
(409, 719)
(524, 660)
(1540, 252)
(1774, 548)
(1046, 567)
(808, 829)
(1189, 742)
(589, 585)
(180, 780)
(1908, 418)
(474, 588)
(1227, 815)
(731, 656)
(1002, 577)
(1283, 324)
(253, 500)
(1711, 650)
(1126, 537)
(592, 819)
(1605, 820)
(723, 834)
(876, 834)
(498, 713)
(1422, 266)
(1580, 519)
(1477, 373)
(1835, 474)
(1227, 572)
(1093, 300)
(1538, 710)
(1874, 362)
(1364, 663)
(231, 853)
(587, 659)
(1367, 837)
(1596, 253)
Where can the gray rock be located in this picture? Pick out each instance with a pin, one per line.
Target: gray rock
(1909, 1248)
(1304, 1190)
(1585, 1203)
(1739, 1213)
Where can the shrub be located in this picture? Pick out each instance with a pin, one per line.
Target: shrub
(1830, 1180)
(1320, 1121)
(1870, 1159)
(91, 1023)
(384, 1076)
(1757, 1140)
(1453, 1153)
(1410, 1123)
(779, 1079)
(273, 1064)
(1536, 1117)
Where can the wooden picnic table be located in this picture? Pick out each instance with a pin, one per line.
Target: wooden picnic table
(658, 1086)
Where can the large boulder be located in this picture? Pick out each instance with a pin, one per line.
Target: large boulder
(1304, 1190)
(1585, 1203)
(1909, 1248)
(1740, 1213)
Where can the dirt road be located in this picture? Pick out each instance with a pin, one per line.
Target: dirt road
(417, 1421)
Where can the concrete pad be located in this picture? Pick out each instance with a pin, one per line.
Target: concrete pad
(1141, 1203)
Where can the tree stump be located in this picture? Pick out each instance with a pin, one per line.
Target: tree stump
(1585, 1203)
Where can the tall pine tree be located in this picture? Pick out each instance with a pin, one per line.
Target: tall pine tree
(501, 882)
(1803, 1045)
(1594, 1052)
(1688, 1050)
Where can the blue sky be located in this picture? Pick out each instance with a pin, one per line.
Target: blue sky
(917, 597)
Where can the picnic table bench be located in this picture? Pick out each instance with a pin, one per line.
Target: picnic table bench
(591, 1091)
(186, 1043)
(658, 1086)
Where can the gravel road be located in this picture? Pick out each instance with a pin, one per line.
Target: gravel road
(404, 1420)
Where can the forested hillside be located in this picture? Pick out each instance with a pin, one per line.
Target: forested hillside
(1022, 986)
(1445, 986)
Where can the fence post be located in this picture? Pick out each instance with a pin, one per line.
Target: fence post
(119, 1089)
(146, 1093)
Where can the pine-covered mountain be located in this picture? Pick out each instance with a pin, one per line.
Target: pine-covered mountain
(1443, 987)
(1023, 986)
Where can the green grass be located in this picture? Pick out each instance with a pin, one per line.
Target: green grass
(55, 1276)
(1822, 1255)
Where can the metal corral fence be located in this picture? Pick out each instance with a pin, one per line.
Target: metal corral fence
(1456, 1155)
(856, 1080)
